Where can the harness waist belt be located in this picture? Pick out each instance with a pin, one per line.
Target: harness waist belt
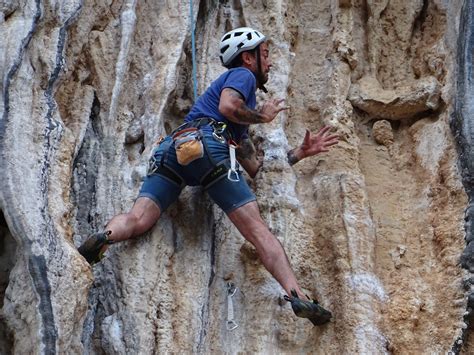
(197, 123)
(222, 131)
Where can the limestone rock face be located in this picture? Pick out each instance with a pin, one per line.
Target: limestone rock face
(374, 229)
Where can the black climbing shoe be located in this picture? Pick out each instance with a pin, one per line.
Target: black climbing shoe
(91, 249)
(306, 309)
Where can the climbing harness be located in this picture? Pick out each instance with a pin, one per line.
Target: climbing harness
(157, 167)
(231, 290)
(214, 175)
(190, 145)
(221, 134)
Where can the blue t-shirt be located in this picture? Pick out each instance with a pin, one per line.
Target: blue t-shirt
(207, 105)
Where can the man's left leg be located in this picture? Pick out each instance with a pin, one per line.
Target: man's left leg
(237, 200)
(248, 221)
(250, 224)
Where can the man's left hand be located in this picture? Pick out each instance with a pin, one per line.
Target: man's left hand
(313, 144)
(318, 143)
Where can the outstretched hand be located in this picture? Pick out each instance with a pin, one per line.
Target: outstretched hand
(318, 143)
(313, 144)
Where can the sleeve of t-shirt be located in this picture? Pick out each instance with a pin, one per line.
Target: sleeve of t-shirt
(241, 80)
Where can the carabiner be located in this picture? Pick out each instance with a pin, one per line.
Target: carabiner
(218, 137)
(231, 325)
(235, 173)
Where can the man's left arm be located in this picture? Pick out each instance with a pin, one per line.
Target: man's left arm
(313, 144)
(247, 157)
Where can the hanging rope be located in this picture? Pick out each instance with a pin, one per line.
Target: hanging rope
(193, 49)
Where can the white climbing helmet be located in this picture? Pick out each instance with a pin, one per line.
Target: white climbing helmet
(237, 41)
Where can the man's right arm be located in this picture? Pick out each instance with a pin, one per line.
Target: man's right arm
(233, 107)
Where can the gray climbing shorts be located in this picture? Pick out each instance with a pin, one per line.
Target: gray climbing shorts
(164, 190)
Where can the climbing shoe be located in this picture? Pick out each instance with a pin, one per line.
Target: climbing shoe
(91, 249)
(306, 309)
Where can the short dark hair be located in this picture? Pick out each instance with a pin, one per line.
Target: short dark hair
(237, 61)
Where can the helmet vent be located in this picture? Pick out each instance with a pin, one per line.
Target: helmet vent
(223, 49)
(249, 36)
(238, 34)
(256, 34)
(226, 37)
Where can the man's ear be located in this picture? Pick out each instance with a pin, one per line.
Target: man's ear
(247, 58)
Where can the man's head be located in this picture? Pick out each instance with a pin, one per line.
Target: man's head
(246, 47)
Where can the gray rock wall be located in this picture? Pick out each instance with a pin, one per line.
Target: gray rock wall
(374, 229)
(463, 129)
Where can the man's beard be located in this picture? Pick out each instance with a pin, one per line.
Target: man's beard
(262, 80)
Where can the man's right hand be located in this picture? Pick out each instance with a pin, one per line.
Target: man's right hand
(233, 107)
(271, 108)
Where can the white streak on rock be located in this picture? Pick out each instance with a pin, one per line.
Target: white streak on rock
(128, 19)
(367, 284)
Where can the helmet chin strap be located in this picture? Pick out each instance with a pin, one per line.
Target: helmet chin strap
(260, 77)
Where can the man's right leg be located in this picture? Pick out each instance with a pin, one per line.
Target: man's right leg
(158, 191)
(143, 215)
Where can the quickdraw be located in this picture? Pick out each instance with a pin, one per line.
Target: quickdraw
(231, 323)
(233, 174)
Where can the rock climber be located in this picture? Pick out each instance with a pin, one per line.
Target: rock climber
(207, 150)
